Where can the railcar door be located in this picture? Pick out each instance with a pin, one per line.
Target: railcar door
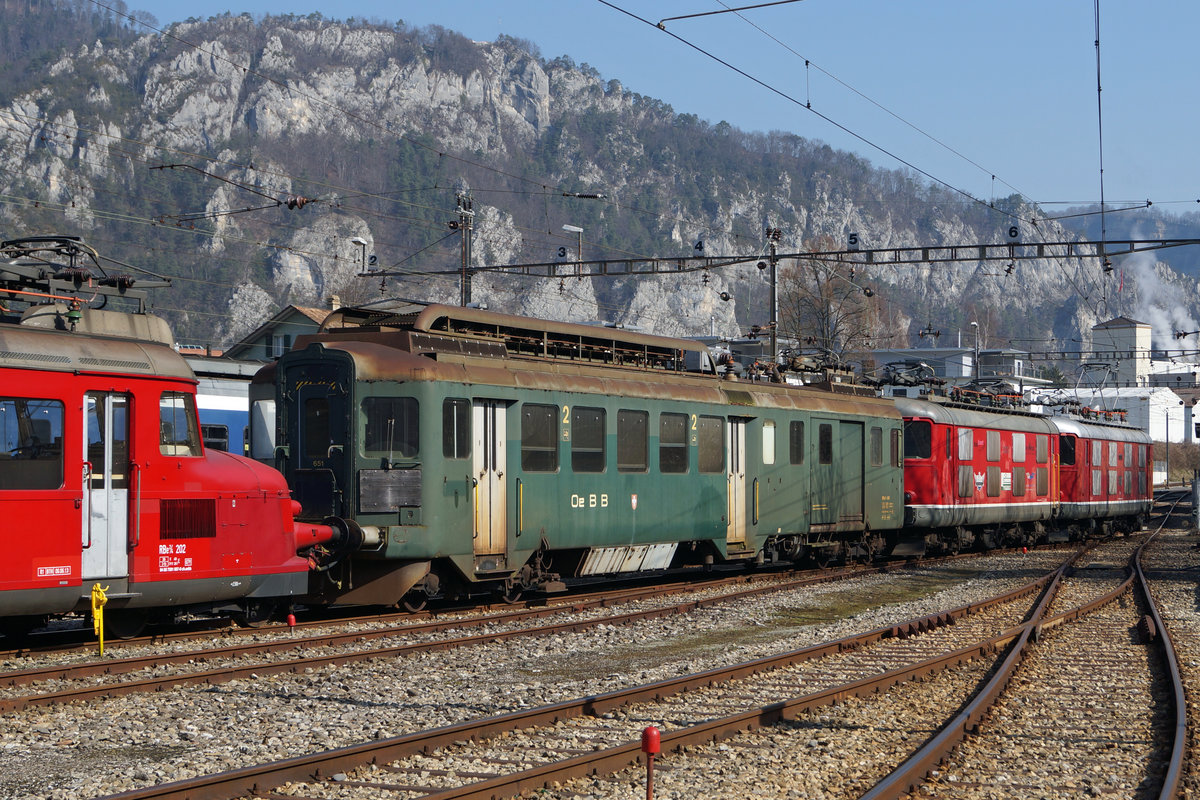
(489, 426)
(823, 479)
(106, 485)
(850, 479)
(735, 475)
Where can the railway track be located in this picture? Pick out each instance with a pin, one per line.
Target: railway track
(547, 746)
(58, 683)
(501, 756)
(246, 721)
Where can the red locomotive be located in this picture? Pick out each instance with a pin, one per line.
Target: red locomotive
(104, 480)
(992, 477)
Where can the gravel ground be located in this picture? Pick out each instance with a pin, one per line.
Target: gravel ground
(88, 750)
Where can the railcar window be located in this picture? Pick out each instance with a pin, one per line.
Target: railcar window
(539, 438)
(993, 447)
(1018, 488)
(824, 444)
(768, 449)
(710, 444)
(672, 443)
(966, 485)
(587, 439)
(1043, 449)
(1141, 451)
(1095, 446)
(1018, 456)
(1112, 454)
(1128, 484)
(897, 453)
(456, 427)
(632, 441)
(391, 426)
(1113, 478)
(31, 452)
(216, 437)
(918, 438)
(993, 481)
(317, 428)
(1066, 451)
(966, 444)
(1097, 481)
(796, 442)
(876, 447)
(1128, 454)
(179, 435)
(1043, 481)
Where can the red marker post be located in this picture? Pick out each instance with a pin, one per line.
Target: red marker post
(650, 746)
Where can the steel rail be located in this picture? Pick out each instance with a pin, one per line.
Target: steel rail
(230, 673)
(263, 777)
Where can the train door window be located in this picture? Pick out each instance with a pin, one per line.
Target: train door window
(918, 438)
(966, 444)
(1043, 449)
(876, 447)
(1018, 481)
(1066, 451)
(317, 428)
(632, 441)
(993, 447)
(456, 427)
(178, 433)
(391, 426)
(825, 444)
(768, 442)
(1095, 453)
(710, 444)
(672, 443)
(587, 439)
(216, 437)
(796, 442)
(539, 438)
(993, 481)
(1018, 453)
(1097, 481)
(31, 453)
(1043, 481)
(897, 452)
(1112, 454)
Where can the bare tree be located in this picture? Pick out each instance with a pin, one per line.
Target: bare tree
(823, 307)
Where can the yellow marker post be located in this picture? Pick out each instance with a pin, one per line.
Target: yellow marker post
(98, 601)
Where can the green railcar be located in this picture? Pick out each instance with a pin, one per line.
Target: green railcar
(465, 451)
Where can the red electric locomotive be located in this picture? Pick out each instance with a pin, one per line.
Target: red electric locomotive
(1105, 481)
(104, 480)
(1003, 477)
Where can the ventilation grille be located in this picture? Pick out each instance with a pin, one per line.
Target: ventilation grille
(12, 355)
(115, 363)
(188, 519)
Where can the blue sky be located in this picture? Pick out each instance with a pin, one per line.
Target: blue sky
(959, 89)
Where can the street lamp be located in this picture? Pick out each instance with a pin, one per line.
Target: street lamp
(576, 230)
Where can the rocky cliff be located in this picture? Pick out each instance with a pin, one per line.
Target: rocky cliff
(242, 156)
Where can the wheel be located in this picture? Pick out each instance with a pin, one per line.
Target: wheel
(125, 623)
(415, 602)
(512, 592)
(255, 614)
